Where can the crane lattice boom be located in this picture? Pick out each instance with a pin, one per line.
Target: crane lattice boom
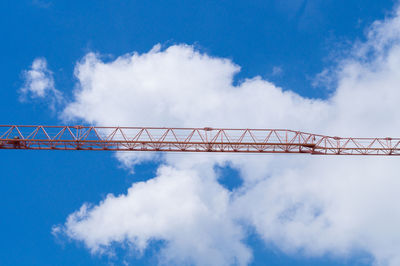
(189, 140)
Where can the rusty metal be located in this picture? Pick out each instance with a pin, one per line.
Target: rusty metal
(190, 140)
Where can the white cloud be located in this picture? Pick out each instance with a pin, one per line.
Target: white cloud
(331, 205)
(189, 211)
(313, 205)
(39, 82)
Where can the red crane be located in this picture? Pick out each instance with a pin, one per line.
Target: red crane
(189, 140)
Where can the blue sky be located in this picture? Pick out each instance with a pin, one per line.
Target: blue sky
(287, 44)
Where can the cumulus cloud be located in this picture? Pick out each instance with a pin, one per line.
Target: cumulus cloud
(189, 211)
(182, 87)
(313, 205)
(39, 82)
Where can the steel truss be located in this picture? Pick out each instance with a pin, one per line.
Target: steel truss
(189, 140)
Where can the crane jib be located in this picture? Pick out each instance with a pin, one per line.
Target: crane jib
(190, 140)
